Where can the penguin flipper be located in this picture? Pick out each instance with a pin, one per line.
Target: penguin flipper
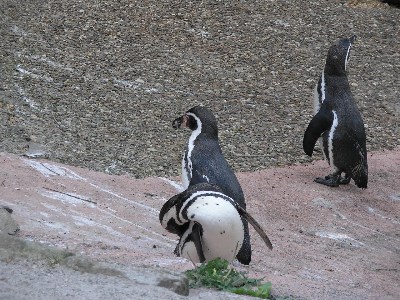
(256, 226)
(196, 237)
(321, 122)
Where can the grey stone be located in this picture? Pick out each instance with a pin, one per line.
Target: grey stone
(7, 224)
(16, 250)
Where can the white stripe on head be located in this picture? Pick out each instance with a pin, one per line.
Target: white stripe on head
(187, 166)
(347, 57)
(330, 141)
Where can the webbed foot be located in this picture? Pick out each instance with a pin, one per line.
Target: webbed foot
(330, 180)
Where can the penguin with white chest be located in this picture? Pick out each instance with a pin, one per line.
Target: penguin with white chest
(208, 222)
(338, 121)
(203, 161)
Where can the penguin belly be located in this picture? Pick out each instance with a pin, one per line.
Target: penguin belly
(222, 229)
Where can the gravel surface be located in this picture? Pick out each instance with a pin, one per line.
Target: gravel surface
(97, 84)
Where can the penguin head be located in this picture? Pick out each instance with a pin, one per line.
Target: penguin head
(338, 56)
(198, 118)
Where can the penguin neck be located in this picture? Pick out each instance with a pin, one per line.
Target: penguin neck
(203, 132)
(335, 69)
(335, 81)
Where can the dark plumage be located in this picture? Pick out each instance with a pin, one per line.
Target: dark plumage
(338, 121)
(203, 161)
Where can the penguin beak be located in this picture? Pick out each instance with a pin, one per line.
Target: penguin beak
(180, 122)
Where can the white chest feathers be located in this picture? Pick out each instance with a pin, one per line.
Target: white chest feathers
(330, 142)
(319, 93)
(222, 227)
(187, 165)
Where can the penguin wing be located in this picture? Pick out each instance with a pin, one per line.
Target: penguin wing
(196, 237)
(321, 122)
(256, 225)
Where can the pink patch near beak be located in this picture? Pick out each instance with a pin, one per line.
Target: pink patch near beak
(185, 121)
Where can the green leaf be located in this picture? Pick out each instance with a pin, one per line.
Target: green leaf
(217, 274)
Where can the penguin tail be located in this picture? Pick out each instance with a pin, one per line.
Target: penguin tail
(360, 176)
(362, 181)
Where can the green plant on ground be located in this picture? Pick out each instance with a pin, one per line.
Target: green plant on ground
(217, 274)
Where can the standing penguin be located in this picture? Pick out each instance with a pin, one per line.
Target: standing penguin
(203, 161)
(338, 121)
(208, 222)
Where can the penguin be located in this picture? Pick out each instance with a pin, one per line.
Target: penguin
(203, 161)
(338, 122)
(208, 222)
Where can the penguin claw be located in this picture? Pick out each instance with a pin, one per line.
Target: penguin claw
(330, 177)
(328, 181)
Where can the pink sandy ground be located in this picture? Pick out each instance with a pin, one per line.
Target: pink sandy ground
(329, 243)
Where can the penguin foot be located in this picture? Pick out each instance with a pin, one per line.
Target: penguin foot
(333, 180)
(330, 180)
(344, 180)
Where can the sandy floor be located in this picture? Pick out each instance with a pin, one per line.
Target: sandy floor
(329, 243)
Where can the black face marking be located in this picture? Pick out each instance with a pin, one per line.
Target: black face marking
(192, 216)
(191, 123)
(209, 125)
